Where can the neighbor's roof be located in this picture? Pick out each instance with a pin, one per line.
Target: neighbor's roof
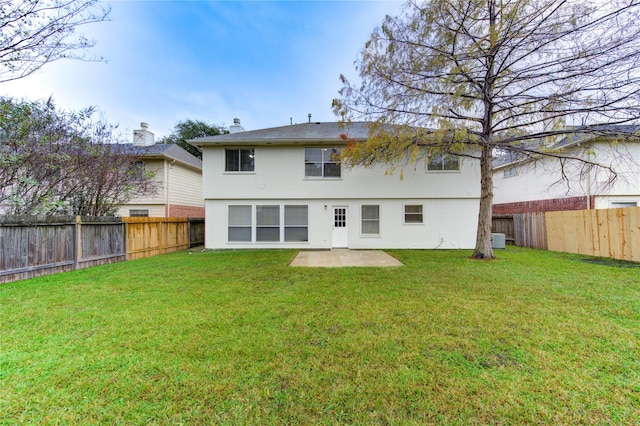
(600, 132)
(170, 151)
(308, 132)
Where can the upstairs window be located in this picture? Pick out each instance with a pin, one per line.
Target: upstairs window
(511, 171)
(239, 160)
(136, 170)
(442, 162)
(322, 162)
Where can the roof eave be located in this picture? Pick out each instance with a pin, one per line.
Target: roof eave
(275, 142)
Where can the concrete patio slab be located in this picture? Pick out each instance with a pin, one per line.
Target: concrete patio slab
(344, 257)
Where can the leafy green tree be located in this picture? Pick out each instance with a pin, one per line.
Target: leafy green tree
(495, 76)
(57, 162)
(36, 32)
(191, 129)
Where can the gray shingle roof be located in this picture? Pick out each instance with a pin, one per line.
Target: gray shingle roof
(308, 132)
(170, 151)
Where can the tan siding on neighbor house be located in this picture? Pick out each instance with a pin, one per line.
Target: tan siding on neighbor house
(184, 186)
(160, 197)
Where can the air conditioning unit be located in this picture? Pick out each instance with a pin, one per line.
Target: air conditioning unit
(498, 241)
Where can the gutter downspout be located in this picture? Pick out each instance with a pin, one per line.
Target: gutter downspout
(166, 193)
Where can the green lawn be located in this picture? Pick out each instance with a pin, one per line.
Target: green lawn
(237, 337)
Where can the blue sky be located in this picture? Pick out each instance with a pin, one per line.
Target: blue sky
(262, 62)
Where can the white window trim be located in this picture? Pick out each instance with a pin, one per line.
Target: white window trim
(253, 236)
(320, 178)
(510, 172)
(254, 225)
(378, 235)
(458, 170)
(404, 213)
(239, 172)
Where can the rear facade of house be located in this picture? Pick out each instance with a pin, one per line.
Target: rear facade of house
(285, 187)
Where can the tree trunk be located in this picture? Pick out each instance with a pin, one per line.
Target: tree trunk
(484, 249)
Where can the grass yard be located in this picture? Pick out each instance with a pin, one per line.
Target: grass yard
(237, 337)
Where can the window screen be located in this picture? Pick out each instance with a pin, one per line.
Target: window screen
(296, 222)
(239, 223)
(267, 223)
(413, 213)
(371, 219)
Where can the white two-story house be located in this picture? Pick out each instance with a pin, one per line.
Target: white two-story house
(546, 184)
(285, 187)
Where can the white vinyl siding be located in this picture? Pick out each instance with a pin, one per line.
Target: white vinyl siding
(451, 218)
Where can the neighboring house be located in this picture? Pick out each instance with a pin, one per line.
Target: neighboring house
(179, 177)
(537, 185)
(285, 187)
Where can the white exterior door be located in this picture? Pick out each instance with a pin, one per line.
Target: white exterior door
(340, 237)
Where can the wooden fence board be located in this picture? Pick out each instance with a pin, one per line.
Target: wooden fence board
(153, 236)
(503, 224)
(522, 229)
(613, 233)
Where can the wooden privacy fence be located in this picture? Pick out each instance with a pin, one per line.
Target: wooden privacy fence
(151, 236)
(31, 246)
(613, 233)
(522, 229)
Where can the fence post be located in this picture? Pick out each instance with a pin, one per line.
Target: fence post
(125, 239)
(78, 251)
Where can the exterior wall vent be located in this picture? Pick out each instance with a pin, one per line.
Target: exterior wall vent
(498, 241)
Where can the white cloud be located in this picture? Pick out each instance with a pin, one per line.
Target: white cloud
(261, 62)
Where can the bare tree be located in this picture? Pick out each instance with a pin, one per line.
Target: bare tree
(105, 176)
(57, 162)
(490, 76)
(36, 32)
